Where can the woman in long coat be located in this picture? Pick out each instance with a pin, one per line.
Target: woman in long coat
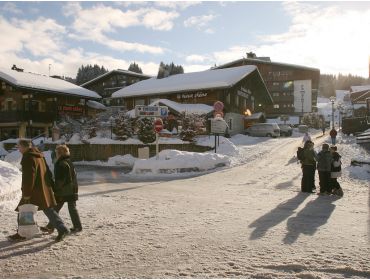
(66, 187)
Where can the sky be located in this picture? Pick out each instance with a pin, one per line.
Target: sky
(61, 36)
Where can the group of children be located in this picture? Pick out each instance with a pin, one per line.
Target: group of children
(328, 164)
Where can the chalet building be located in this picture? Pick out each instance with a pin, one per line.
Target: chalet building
(31, 103)
(112, 81)
(358, 97)
(293, 88)
(241, 89)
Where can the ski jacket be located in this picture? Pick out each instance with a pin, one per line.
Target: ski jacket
(336, 165)
(66, 187)
(324, 160)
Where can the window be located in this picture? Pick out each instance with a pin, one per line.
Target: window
(3, 85)
(151, 100)
(275, 83)
(237, 100)
(276, 106)
(275, 94)
(230, 124)
(228, 99)
(139, 101)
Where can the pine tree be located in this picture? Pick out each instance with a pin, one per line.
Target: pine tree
(123, 128)
(89, 72)
(146, 132)
(135, 68)
(166, 70)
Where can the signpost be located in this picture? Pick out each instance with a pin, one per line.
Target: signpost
(151, 111)
(158, 126)
(218, 126)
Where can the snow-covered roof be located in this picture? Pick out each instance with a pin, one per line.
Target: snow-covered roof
(95, 105)
(264, 61)
(360, 88)
(44, 83)
(219, 78)
(199, 109)
(121, 71)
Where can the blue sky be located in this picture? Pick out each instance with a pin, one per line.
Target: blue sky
(331, 36)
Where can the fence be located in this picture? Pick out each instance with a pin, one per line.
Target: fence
(91, 152)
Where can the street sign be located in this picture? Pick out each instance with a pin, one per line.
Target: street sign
(218, 106)
(218, 126)
(158, 125)
(151, 111)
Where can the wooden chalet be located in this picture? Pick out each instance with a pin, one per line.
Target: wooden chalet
(241, 89)
(294, 88)
(31, 103)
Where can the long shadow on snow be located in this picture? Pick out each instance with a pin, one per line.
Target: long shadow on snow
(287, 184)
(276, 216)
(30, 250)
(315, 214)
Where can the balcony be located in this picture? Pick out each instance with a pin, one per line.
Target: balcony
(17, 116)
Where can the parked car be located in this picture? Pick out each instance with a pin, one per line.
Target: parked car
(302, 128)
(285, 130)
(263, 129)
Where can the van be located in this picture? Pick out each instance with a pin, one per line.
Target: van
(263, 129)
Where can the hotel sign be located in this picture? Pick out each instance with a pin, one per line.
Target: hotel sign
(198, 94)
(70, 109)
(151, 111)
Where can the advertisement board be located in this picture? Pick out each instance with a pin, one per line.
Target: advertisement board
(151, 111)
(302, 96)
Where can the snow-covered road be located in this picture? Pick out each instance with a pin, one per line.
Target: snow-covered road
(249, 221)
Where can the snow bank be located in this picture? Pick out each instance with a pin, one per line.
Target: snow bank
(10, 184)
(173, 161)
(14, 158)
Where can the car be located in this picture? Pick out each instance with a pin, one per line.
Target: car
(285, 130)
(263, 129)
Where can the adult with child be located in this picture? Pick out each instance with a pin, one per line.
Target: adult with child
(336, 171)
(308, 167)
(37, 187)
(324, 160)
(66, 188)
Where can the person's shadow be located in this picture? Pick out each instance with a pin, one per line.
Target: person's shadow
(315, 214)
(276, 216)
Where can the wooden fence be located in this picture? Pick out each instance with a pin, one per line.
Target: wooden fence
(91, 152)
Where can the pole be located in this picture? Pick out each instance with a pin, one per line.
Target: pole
(156, 145)
(332, 113)
(215, 143)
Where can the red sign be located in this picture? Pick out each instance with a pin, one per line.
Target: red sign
(218, 106)
(69, 108)
(158, 125)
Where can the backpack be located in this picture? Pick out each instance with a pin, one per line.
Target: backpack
(300, 153)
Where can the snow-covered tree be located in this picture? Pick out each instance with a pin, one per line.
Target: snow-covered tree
(146, 132)
(313, 120)
(189, 127)
(123, 127)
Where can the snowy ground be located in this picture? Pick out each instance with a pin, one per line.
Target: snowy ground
(248, 220)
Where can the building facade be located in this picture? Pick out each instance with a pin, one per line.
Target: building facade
(294, 88)
(241, 89)
(112, 81)
(31, 103)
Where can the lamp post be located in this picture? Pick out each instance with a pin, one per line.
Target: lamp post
(302, 91)
(332, 99)
(111, 119)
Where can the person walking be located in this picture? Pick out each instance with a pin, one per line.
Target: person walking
(333, 135)
(306, 137)
(323, 130)
(336, 171)
(324, 160)
(37, 187)
(308, 167)
(66, 188)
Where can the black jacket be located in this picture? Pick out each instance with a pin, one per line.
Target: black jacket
(66, 187)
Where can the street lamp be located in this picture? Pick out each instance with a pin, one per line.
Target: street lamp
(111, 119)
(332, 99)
(302, 91)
